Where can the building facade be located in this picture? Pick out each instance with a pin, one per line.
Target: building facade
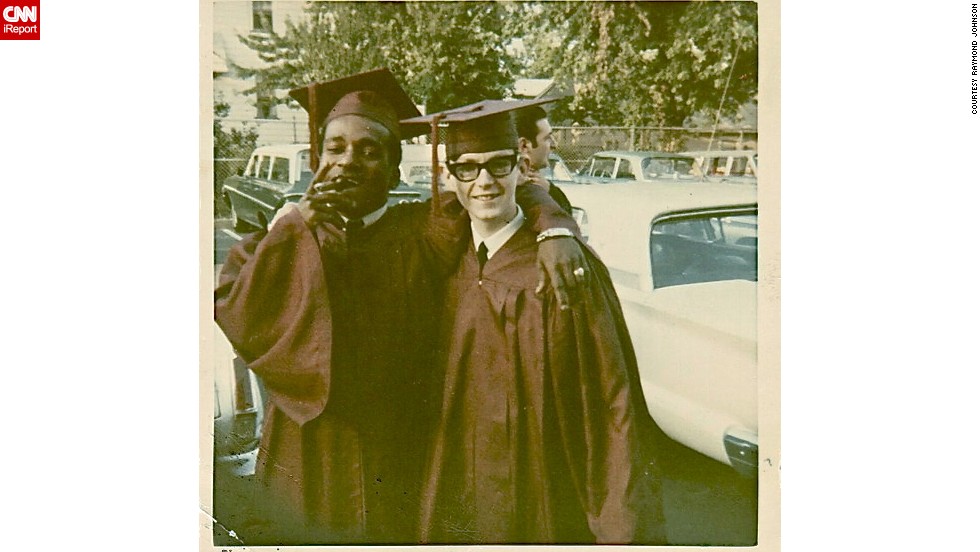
(276, 124)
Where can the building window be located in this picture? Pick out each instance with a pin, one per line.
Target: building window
(262, 17)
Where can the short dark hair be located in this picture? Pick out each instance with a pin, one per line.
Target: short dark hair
(527, 123)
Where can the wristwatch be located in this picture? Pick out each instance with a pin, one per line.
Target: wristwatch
(555, 233)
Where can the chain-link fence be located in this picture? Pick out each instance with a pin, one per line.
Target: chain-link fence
(223, 168)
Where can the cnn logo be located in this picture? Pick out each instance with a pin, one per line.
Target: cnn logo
(20, 14)
(21, 20)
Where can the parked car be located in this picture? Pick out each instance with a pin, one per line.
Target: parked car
(734, 165)
(684, 263)
(278, 174)
(557, 170)
(239, 407)
(407, 193)
(416, 165)
(637, 166)
(273, 175)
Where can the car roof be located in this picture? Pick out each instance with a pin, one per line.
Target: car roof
(620, 214)
(286, 149)
(641, 154)
(661, 197)
(721, 153)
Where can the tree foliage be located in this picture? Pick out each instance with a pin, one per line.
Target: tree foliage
(445, 53)
(628, 63)
(644, 63)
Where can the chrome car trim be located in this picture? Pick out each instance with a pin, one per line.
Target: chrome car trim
(246, 196)
(743, 455)
(733, 210)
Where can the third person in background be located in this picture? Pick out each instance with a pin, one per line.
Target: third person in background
(536, 139)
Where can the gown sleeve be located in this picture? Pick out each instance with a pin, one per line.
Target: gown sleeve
(444, 234)
(541, 211)
(599, 399)
(272, 303)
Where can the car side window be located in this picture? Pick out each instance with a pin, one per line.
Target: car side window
(603, 167)
(280, 170)
(264, 162)
(625, 170)
(714, 166)
(704, 248)
(250, 167)
(684, 166)
(739, 166)
(653, 168)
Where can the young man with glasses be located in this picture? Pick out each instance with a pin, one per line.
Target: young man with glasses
(542, 423)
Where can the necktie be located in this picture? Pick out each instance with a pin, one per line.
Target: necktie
(481, 255)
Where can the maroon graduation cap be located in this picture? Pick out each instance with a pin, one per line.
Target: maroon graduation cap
(374, 94)
(487, 125)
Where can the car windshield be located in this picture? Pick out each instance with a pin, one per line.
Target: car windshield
(667, 166)
(706, 247)
(557, 169)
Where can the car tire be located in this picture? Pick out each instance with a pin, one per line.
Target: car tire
(240, 224)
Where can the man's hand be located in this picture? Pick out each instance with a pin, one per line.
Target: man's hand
(320, 208)
(532, 176)
(562, 262)
(322, 204)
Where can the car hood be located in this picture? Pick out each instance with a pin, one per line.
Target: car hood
(727, 307)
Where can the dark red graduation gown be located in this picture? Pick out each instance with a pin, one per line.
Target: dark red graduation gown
(539, 436)
(343, 344)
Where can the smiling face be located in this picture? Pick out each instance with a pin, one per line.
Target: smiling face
(357, 153)
(488, 199)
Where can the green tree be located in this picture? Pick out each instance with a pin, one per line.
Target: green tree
(454, 53)
(444, 53)
(643, 63)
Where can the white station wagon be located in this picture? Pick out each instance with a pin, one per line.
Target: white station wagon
(683, 258)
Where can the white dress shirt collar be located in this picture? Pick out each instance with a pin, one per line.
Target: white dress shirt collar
(499, 238)
(371, 217)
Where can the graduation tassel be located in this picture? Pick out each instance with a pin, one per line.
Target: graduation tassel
(314, 132)
(435, 163)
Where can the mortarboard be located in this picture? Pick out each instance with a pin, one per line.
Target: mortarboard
(484, 126)
(374, 94)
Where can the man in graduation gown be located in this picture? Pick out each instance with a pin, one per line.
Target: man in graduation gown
(334, 308)
(540, 437)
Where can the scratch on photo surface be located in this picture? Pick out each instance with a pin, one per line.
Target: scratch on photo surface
(217, 523)
(462, 530)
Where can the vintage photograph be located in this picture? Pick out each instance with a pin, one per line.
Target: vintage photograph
(488, 273)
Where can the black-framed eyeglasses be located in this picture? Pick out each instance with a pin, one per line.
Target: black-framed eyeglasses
(498, 167)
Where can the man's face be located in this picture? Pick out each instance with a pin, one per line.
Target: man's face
(356, 160)
(538, 154)
(489, 199)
